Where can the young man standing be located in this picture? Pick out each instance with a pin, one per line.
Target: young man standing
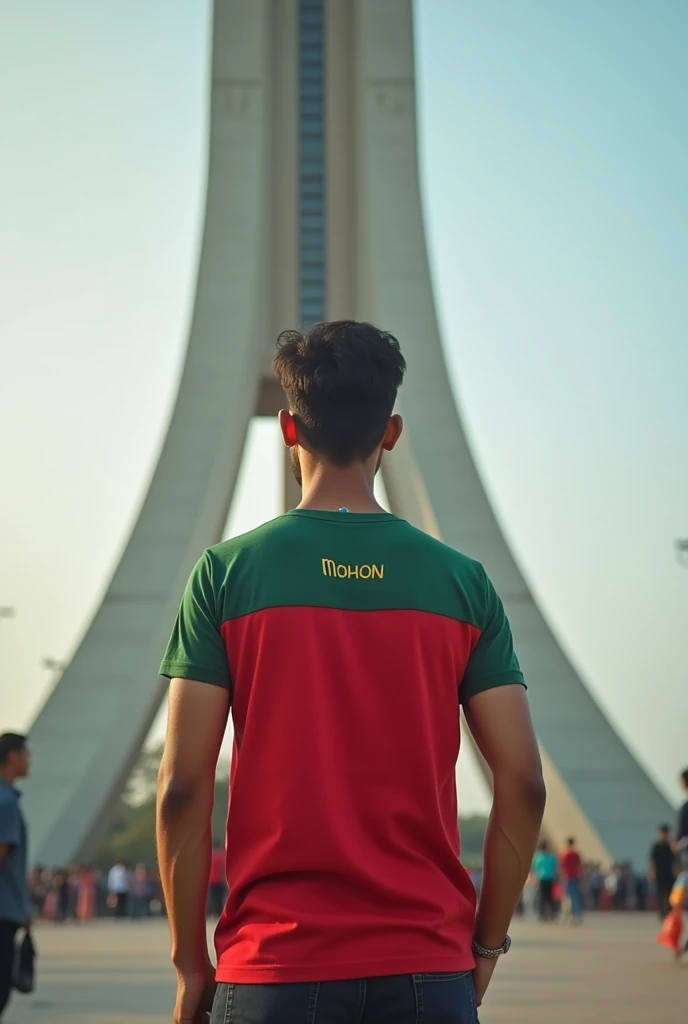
(662, 869)
(344, 642)
(15, 906)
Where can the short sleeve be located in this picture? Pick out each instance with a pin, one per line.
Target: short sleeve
(10, 823)
(493, 661)
(196, 649)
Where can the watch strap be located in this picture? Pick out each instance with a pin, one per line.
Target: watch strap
(491, 954)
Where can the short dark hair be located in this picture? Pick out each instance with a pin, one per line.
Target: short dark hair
(664, 828)
(570, 841)
(341, 380)
(684, 776)
(10, 743)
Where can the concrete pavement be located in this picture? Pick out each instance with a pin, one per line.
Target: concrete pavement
(609, 971)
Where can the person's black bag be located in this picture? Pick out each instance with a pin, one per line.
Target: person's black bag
(24, 967)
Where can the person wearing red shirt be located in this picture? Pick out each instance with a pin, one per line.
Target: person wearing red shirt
(344, 642)
(572, 875)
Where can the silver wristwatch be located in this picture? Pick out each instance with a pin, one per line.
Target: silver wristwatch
(491, 954)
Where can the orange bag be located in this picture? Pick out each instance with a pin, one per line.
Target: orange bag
(670, 932)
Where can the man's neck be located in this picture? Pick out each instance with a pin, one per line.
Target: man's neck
(328, 489)
(7, 776)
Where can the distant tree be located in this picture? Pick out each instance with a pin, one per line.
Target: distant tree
(142, 782)
(131, 835)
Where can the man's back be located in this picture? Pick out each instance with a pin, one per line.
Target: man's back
(351, 640)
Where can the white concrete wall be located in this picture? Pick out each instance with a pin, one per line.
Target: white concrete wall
(92, 727)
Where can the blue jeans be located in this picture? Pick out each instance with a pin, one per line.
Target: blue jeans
(575, 894)
(402, 999)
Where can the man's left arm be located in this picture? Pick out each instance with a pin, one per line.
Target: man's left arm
(197, 719)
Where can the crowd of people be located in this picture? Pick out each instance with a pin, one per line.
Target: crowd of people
(83, 892)
(564, 886)
(561, 886)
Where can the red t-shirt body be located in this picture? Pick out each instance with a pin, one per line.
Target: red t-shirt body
(348, 643)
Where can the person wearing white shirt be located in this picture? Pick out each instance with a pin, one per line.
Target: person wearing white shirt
(118, 888)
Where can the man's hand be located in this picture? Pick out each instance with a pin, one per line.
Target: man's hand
(482, 976)
(195, 994)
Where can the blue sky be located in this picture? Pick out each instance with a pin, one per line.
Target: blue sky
(554, 156)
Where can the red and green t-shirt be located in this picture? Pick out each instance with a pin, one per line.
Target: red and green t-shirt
(347, 642)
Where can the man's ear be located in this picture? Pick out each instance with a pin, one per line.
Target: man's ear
(392, 433)
(288, 427)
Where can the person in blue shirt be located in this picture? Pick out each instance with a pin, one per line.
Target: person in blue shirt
(15, 909)
(546, 869)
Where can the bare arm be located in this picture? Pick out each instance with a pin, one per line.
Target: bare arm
(196, 724)
(500, 722)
